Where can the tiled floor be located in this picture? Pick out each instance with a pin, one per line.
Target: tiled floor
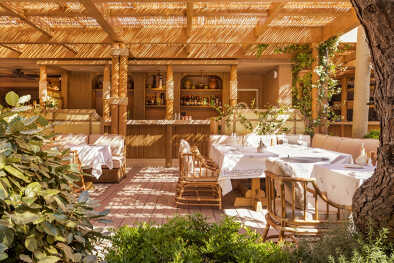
(147, 195)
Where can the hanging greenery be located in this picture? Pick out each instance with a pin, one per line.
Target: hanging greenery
(326, 84)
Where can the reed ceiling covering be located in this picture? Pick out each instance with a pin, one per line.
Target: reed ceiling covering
(86, 29)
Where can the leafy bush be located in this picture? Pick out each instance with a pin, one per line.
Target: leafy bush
(374, 134)
(192, 239)
(41, 218)
(343, 245)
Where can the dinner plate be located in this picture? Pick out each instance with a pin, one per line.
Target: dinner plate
(354, 166)
(305, 159)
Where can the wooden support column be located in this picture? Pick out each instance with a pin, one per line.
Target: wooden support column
(315, 92)
(343, 104)
(64, 87)
(170, 93)
(123, 61)
(233, 85)
(107, 93)
(43, 84)
(361, 87)
(115, 90)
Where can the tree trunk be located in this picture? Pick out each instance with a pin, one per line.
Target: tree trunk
(374, 200)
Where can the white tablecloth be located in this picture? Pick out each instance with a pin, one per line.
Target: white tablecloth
(94, 157)
(339, 182)
(237, 162)
(290, 160)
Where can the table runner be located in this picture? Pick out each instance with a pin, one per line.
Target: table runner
(94, 157)
(340, 183)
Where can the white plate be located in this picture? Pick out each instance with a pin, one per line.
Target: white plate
(354, 166)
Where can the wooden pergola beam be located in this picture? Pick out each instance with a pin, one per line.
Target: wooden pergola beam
(341, 25)
(273, 11)
(34, 22)
(189, 17)
(93, 11)
(11, 48)
(165, 1)
(37, 24)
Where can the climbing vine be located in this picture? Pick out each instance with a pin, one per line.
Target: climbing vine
(326, 83)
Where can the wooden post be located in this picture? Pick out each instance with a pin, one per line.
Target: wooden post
(343, 104)
(43, 84)
(361, 87)
(170, 93)
(233, 85)
(123, 61)
(107, 93)
(315, 92)
(115, 90)
(64, 87)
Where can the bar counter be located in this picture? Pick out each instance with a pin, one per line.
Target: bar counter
(159, 139)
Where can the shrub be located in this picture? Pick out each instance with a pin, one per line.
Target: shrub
(192, 239)
(374, 134)
(41, 218)
(344, 245)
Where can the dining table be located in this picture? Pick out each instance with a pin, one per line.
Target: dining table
(94, 157)
(340, 181)
(244, 162)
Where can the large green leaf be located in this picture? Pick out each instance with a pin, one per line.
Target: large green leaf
(3, 256)
(3, 192)
(15, 172)
(11, 98)
(49, 259)
(25, 258)
(50, 229)
(31, 243)
(25, 218)
(6, 236)
(68, 252)
(33, 189)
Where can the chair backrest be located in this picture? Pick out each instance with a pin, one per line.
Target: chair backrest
(287, 212)
(115, 142)
(71, 139)
(318, 140)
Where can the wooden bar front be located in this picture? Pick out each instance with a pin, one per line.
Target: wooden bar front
(159, 139)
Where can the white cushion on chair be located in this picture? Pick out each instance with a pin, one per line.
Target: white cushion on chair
(115, 142)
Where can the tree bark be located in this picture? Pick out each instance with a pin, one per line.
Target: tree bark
(373, 202)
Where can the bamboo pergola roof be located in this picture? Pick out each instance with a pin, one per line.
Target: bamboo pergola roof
(193, 29)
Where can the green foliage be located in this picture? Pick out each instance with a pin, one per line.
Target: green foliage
(272, 121)
(326, 84)
(41, 218)
(374, 134)
(192, 239)
(229, 113)
(343, 245)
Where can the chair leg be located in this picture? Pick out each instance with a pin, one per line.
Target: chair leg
(265, 234)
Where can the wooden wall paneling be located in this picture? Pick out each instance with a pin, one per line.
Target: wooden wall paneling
(139, 96)
(226, 88)
(64, 88)
(80, 90)
(169, 145)
(177, 92)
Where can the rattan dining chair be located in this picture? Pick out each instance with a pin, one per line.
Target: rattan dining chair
(198, 182)
(297, 207)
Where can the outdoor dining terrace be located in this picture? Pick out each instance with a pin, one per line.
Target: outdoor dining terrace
(196, 131)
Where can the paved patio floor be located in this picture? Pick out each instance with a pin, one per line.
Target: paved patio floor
(147, 195)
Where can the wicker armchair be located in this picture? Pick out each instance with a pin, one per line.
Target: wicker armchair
(297, 207)
(198, 181)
